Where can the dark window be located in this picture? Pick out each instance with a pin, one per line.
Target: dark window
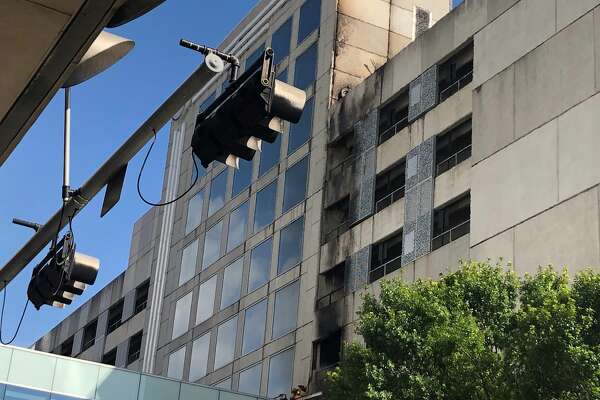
(336, 219)
(306, 68)
(327, 352)
(451, 222)
(242, 177)
(265, 206)
(141, 297)
(300, 132)
(254, 56)
(310, 18)
(281, 41)
(115, 313)
(66, 348)
(110, 358)
(217, 193)
(135, 346)
(89, 335)
(393, 117)
(389, 186)
(456, 73)
(331, 286)
(295, 184)
(290, 246)
(453, 147)
(269, 156)
(386, 257)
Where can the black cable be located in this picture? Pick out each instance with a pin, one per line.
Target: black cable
(2, 319)
(142, 170)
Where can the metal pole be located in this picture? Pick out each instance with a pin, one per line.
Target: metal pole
(100, 178)
(67, 147)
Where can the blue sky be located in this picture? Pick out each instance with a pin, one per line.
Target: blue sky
(105, 111)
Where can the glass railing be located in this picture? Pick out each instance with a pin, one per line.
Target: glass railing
(451, 235)
(394, 129)
(28, 374)
(453, 160)
(382, 270)
(456, 86)
(389, 199)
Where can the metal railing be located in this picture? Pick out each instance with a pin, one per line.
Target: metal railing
(394, 129)
(329, 299)
(453, 160)
(456, 86)
(382, 270)
(140, 307)
(389, 199)
(113, 326)
(451, 235)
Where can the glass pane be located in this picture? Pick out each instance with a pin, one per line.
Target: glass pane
(281, 368)
(295, 184)
(75, 378)
(269, 156)
(199, 362)
(232, 283)
(217, 193)
(254, 327)
(182, 315)
(285, 315)
(201, 169)
(283, 75)
(194, 212)
(204, 105)
(237, 226)
(21, 373)
(290, 246)
(155, 388)
(226, 384)
(260, 265)
(19, 393)
(254, 56)
(235, 396)
(281, 41)
(225, 343)
(188, 262)
(242, 177)
(196, 392)
(310, 18)
(300, 132)
(117, 384)
(206, 300)
(306, 68)
(176, 361)
(250, 380)
(265, 206)
(212, 245)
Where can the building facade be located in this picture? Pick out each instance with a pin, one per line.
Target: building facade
(427, 138)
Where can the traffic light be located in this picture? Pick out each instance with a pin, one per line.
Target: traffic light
(62, 275)
(251, 110)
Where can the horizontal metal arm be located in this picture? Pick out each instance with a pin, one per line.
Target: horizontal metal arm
(100, 178)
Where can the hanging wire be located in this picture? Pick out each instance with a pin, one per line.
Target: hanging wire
(6, 343)
(142, 170)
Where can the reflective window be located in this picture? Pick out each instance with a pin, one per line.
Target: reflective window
(281, 41)
(250, 380)
(310, 18)
(188, 262)
(286, 310)
(206, 300)
(254, 56)
(19, 393)
(217, 193)
(269, 156)
(281, 368)
(226, 384)
(181, 319)
(283, 75)
(242, 177)
(254, 327)
(306, 68)
(199, 362)
(209, 100)
(225, 343)
(290, 246)
(265, 206)
(260, 265)
(212, 245)
(201, 169)
(300, 132)
(232, 283)
(238, 220)
(194, 212)
(176, 361)
(294, 190)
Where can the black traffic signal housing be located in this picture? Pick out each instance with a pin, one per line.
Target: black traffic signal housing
(61, 275)
(251, 110)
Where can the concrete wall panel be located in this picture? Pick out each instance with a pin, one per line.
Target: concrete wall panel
(452, 183)
(377, 13)
(362, 35)
(500, 248)
(448, 113)
(514, 184)
(443, 260)
(568, 11)
(401, 70)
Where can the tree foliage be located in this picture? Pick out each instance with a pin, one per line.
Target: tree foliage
(478, 333)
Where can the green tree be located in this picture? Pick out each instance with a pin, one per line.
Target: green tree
(478, 333)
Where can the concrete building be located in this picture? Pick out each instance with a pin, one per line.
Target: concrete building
(472, 139)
